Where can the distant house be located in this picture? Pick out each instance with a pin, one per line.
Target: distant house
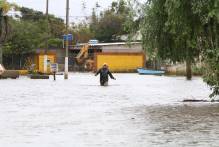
(136, 37)
(121, 56)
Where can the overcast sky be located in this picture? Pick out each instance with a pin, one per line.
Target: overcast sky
(57, 7)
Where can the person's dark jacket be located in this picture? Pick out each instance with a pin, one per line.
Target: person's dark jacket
(104, 73)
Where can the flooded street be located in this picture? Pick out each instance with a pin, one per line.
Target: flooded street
(134, 111)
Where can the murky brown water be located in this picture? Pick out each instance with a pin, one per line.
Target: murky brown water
(134, 111)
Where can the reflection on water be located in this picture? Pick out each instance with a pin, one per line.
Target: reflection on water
(135, 111)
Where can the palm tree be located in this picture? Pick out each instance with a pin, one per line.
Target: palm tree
(4, 26)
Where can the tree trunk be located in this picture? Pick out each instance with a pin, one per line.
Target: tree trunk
(188, 69)
(12, 61)
(20, 61)
(1, 55)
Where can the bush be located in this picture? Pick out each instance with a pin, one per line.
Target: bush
(55, 43)
(211, 76)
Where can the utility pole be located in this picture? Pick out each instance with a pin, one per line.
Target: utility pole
(47, 36)
(67, 43)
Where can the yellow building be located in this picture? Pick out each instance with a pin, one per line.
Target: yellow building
(120, 56)
(120, 62)
(39, 61)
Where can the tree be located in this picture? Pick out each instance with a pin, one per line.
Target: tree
(23, 39)
(110, 23)
(133, 20)
(109, 27)
(209, 41)
(28, 14)
(184, 30)
(28, 32)
(81, 32)
(55, 43)
(211, 76)
(4, 27)
(94, 21)
(56, 25)
(170, 29)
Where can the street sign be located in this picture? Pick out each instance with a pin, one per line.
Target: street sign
(68, 37)
(54, 67)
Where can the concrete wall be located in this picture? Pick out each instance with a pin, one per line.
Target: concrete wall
(134, 48)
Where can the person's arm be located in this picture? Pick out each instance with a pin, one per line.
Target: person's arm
(97, 72)
(111, 76)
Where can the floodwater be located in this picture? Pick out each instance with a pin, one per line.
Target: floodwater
(134, 111)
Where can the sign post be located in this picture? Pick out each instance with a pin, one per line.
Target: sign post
(54, 69)
(66, 39)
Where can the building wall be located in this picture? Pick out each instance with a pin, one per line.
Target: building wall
(132, 60)
(120, 62)
(59, 56)
(51, 58)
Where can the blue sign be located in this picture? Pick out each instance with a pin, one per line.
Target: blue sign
(68, 37)
(54, 67)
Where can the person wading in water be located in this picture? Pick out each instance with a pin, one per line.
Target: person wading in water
(104, 73)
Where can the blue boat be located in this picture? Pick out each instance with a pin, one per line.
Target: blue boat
(143, 71)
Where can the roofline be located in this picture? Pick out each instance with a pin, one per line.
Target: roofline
(108, 44)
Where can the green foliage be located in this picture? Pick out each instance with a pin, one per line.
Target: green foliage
(169, 28)
(109, 27)
(56, 25)
(24, 38)
(212, 70)
(28, 32)
(198, 70)
(208, 11)
(182, 30)
(133, 19)
(55, 43)
(4, 27)
(31, 15)
(81, 32)
(4, 7)
(110, 23)
(94, 22)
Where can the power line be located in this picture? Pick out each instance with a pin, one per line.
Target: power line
(59, 16)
